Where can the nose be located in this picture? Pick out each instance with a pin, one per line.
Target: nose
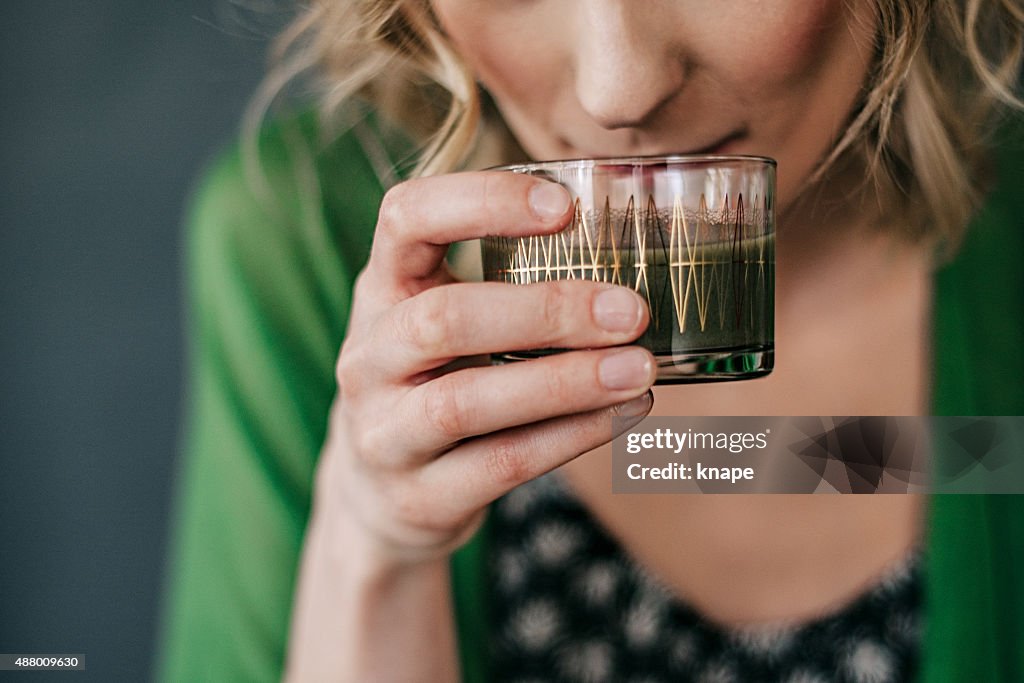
(627, 64)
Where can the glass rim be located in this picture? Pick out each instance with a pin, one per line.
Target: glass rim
(649, 160)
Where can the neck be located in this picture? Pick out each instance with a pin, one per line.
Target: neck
(842, 270)
(836, 237)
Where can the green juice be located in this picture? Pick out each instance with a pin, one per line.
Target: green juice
(711, 301)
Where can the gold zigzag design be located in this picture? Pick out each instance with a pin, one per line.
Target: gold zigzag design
(701, 255)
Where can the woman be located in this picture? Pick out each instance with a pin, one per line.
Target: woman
(880, 115)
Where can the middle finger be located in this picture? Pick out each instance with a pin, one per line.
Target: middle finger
(466, 319)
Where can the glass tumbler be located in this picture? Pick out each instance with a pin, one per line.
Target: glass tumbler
(694, 235)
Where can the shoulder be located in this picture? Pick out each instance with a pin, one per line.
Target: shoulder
(270, 267)
(297, 195)
(980, 298)
(994, 243)
(281, 237)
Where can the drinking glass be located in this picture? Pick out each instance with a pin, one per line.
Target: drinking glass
(694, 235)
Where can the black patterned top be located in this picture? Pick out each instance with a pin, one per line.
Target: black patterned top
(570, 605)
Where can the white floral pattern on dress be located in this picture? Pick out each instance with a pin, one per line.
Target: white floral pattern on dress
(598, 582)
(869, 662)
(571, 606)
(553, 543)
(642, 622)
(719, 672)
(805, 676)
(586, 662)
(534, 625)
(769, 642)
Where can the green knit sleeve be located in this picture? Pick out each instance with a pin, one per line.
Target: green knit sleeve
(269, 280)
(975, 593)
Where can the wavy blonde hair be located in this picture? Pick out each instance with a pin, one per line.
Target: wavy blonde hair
(944, 72)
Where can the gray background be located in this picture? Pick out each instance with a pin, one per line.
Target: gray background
(109, 109)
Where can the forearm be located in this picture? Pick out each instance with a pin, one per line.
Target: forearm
(359, 617)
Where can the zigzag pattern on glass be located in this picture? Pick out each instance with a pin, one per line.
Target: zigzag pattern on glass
(711, 261)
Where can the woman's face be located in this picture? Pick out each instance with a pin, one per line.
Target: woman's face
(593, 78)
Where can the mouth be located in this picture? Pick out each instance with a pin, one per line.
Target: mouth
(724, 145)
(721, 146)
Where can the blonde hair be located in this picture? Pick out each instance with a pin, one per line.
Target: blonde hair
(943, 73)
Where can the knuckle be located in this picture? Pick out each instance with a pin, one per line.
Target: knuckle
(418, 510)
(373, 293)
(406, 502)
(491, 193)
(370, 442)
(348, 370)
(552, 309)
(558, 384)
(507, 463)
(345, 369)
(445, 408)
(394, 210)
(362, 285)
(428, 324)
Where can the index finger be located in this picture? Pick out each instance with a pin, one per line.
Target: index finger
(421, 217)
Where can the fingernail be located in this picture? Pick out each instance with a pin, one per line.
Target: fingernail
(616, 309)
(626, 369)
(636, 407)
(549, 200)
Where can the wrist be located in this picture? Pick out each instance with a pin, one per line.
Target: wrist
(352, 545)
(355, 600)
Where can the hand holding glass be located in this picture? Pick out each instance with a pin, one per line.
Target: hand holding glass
(693, 235)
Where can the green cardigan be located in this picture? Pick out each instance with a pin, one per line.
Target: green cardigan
(270, 278)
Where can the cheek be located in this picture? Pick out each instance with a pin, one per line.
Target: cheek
(504, 53)
(785, 43)
(801, 76)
